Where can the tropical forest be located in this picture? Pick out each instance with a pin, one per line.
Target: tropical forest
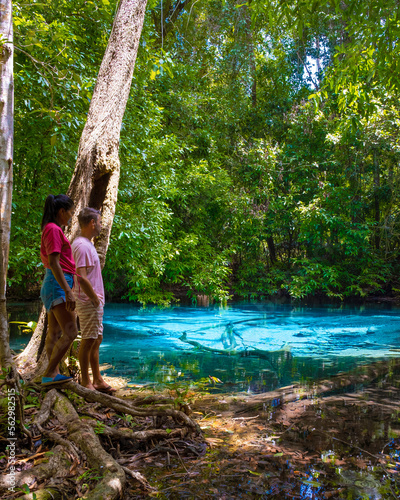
(244, 160)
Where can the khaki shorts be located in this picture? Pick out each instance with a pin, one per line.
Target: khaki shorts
(90, 319)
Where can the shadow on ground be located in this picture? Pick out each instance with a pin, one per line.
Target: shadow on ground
(339, 439)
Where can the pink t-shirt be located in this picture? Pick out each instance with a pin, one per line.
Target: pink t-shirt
(55, 241)
(85, 255)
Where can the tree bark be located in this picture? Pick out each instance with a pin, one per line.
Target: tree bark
(113, 479)
(271, 249)
(252, 58)
(58, 466)
(95, 179)
(6, 165)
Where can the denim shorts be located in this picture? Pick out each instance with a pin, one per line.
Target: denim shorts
(51, 293)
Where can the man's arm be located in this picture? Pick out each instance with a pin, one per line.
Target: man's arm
(87, 286)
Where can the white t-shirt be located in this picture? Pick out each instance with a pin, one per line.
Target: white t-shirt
(85, 255)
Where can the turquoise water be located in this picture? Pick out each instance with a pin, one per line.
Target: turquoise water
(249, 347)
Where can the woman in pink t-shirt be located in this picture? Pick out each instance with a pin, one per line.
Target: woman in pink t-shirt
(56, 292)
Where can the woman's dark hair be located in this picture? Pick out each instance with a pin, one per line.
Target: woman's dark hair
(52, 205)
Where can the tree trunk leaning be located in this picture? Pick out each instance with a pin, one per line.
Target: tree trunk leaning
(96, 176)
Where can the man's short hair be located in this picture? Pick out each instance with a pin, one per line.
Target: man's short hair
(87, 214)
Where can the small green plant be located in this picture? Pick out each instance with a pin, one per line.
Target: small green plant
(88, 476)
(31, 399)
(129, 420)
(25, 489)
(183, 392)
(99, 429)
(25, 327)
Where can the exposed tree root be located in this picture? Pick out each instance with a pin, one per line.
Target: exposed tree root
(140, 478)
(137, 435)
(57, 466)
(82, 452)
(43, 415)
(56, 438)
(81, 433)
(149, 400)
(128, 407)
(45, 408)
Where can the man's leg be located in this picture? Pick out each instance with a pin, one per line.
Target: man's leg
(53, 334)
(98, 380)
(85, 352)
(90, 322)
(67, 322)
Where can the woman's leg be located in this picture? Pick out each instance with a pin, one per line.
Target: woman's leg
(67, 321)
(53, 334)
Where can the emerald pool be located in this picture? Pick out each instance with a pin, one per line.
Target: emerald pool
(253, 347)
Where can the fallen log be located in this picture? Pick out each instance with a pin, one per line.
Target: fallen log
(361, 375)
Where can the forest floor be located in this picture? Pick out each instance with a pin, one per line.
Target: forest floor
(326, 442)
(336, 439)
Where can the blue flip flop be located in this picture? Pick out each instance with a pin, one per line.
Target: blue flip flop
(58, 379)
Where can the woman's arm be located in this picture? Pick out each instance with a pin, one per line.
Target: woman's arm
(54, 263)
(87, 286)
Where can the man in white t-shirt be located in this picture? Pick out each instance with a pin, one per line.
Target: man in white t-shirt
(90, 312)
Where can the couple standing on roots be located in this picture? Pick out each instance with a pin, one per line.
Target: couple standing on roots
(67, 267)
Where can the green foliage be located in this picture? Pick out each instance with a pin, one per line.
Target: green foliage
(259, 150)
(32, 399)
(25, 489)
(54, 77)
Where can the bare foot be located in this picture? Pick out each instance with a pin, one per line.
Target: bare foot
(89, 386)
(107, 389)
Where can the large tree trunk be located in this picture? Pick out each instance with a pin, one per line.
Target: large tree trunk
(6, 163)
(96, 176)
(6, 182)
(95, 179)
